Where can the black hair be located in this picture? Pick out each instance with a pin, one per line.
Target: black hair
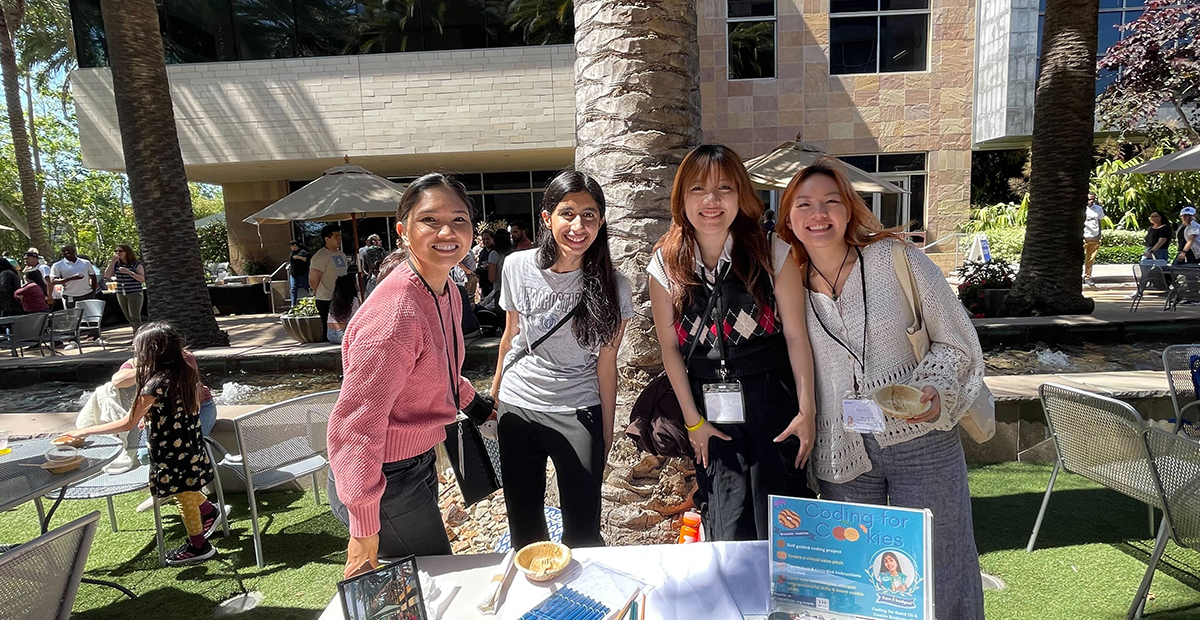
(883, 558)
(519, 224)
(158, 348)
(409, 199)
(35, 275)
(328, 230)
(502, 242)
(7, 266)
(599, 317)
(1162, 216)
(345, 290)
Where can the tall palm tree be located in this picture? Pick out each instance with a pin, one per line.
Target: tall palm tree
(11, 12)
(637, 113)
(1051, 280)
(162, 205)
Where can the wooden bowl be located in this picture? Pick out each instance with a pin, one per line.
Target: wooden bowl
(543, 561)
(900, 401)
(63, 466)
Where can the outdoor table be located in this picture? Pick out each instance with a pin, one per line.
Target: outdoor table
(240, 298)
(697, 580)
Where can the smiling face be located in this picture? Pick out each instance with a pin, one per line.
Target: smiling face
(711, 203)
(818, 215)
(438, 231)
(574, 224)
(486, 241)
(890, 563)
(1156, 219)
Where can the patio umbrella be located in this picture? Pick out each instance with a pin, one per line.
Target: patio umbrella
(775, 169)
(1187, 160)
(342, 193)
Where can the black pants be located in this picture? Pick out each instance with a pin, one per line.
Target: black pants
(743, 471)
(75, 299)
(409, 520)
(323, 310)
(575, 442)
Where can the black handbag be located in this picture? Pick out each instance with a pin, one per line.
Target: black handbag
(477, 477)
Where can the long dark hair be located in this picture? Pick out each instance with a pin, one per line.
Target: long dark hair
(345, 291)
(751, 251)
(883, 570)
(412, 195)
(158, 350)
(130, 256)
(599, 317)
(34, 275)
(7, 266)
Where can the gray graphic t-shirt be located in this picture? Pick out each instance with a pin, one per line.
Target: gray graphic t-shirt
(559, 375)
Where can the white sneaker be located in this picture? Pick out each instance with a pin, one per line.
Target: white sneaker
(146, 505)
(1133, 296)
(71, 346)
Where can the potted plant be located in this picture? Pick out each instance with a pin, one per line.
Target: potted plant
(302, 322)
(984, 286)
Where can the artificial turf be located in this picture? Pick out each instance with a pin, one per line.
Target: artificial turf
(1090, 556)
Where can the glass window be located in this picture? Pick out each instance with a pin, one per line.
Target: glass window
(902, 162)
(326, 27)
(198, 31)
(903, 5)
(1109, 4)
(453, 24)
(866, 163)
(751, 50)
(542, 178)
(916, 201)
(264, 28)
(1108, 32)
(510, 207)
(853, 6)
(387, 26)
(752, 8)
(493, 181)
(903, 42)
(528, 22)
(90, 45)
(852, 45)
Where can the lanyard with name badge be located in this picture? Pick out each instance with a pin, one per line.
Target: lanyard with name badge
(451, 362)
(858, 414)
(723, 402)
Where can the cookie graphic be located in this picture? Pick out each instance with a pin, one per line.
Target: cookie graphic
(789, 519)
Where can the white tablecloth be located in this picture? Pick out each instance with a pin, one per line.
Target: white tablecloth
(698, 580)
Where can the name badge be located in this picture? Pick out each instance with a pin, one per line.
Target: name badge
(862, 416)
(723, 402)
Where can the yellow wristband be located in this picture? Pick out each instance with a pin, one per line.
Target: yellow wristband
(696, 427)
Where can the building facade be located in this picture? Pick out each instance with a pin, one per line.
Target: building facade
(269, 93)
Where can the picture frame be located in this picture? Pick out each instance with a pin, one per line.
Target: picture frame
(390, 592)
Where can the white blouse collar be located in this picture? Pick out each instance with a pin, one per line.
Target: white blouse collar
(726, 257)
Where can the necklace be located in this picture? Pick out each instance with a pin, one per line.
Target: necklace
(832, 285)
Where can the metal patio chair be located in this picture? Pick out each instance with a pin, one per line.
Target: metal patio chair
(41, 577)
(27, 331)
(1150, 278)
(278, 444)
(1184, 285)
(93, 316)
(64, 327)
(1175, 466)
(1177, 360)
(1100, 439)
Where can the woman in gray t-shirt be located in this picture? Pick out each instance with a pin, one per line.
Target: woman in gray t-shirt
(557, 399)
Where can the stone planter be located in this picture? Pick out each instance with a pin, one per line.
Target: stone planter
(993, 301)
(304, 328)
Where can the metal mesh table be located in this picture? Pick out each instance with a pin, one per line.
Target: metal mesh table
(20, 483)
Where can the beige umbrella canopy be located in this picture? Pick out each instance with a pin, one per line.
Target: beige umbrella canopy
(1187, 160)
(341, 193)
(775, 169)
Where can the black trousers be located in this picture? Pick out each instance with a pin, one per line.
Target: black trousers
(410, 522)
(575, 443)
(323, 310)
(743, 471)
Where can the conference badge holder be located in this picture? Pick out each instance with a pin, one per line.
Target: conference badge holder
(861, 415)
(723, 402)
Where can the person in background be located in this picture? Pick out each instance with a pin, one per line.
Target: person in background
(179, 464)
(373, 241)
(1091, 237)
(326, 266)
(483, 258)
(488, 312)
(297, 271)
(95, 270)
(76, 275)
(130, 275)
(342, 307)
(33, 295)
(769, 221)
(402, 357)
(10, 281)
(12, 261)
(520, 236)
(1158, 237)
(1186, 237)
(33, 261)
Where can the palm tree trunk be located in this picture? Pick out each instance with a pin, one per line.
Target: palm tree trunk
(1050, 280)
(31, 196)
(162, 205)
(33, 145)
(637, 113)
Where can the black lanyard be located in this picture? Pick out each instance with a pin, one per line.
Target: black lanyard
(451, 357)
(862, 360)
(717, 313)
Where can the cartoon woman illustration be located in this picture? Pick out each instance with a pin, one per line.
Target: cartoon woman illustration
(889, 573)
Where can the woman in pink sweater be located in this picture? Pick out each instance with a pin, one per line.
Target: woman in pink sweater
(402, 357)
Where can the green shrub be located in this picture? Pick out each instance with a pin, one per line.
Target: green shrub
(305, 306)
(1121, 254)
(214, 243)
(1117, 238)
(1003, 243)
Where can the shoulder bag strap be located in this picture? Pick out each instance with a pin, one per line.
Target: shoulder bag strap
(712, 301)
(918, 335)
(526, 351)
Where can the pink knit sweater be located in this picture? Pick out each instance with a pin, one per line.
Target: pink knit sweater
(396, 396)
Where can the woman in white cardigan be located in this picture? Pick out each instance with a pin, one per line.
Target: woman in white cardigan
(858, 330)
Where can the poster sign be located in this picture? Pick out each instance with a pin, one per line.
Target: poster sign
(842, 561)
(980, 252)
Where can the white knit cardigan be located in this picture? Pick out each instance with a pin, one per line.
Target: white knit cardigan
(954, 364)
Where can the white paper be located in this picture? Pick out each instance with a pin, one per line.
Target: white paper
(862, 416)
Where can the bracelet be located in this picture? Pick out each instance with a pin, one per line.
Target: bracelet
(696, 427)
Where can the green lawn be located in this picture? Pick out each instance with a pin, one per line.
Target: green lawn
(1090, 557)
